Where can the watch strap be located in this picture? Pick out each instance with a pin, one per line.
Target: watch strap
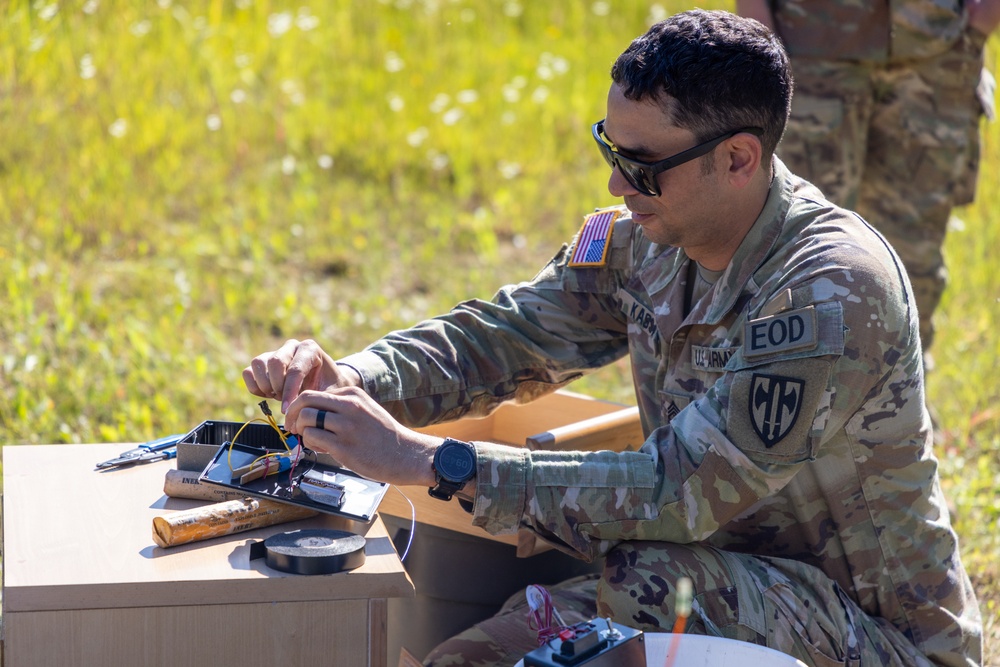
(444, 489)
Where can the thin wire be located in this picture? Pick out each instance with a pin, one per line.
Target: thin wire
(232, 443)
(413, 523)
(299, 455)
(270, 421)
(540, 618)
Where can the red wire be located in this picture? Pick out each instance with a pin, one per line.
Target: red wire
(541, 620)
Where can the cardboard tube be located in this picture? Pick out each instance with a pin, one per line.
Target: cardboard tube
(617, 431)
(227, 518)
(185, 484)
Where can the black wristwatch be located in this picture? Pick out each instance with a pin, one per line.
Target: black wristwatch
(454, 465)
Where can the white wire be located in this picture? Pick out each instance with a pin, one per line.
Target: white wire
(413, 523)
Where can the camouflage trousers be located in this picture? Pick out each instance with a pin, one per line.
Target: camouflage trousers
(786, 605)
(898, 143)
(783, 604)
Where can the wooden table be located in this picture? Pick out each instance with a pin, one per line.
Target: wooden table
(84, 583)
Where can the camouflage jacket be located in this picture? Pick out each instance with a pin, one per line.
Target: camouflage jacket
(885, 30)
(785, 412)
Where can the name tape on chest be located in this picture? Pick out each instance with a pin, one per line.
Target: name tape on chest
(711, 359)
(594, 239)
(787, 331)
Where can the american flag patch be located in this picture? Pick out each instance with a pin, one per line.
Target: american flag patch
(592, 242)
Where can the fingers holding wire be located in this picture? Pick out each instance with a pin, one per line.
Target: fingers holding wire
(250, 380)
(284, 373)
(266, 374)
(359, 433)
(304, 360)
(303, 413)
(318, 425)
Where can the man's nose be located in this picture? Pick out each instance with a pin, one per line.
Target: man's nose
(619, 186)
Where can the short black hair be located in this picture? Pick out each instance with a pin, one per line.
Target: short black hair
(719, 71)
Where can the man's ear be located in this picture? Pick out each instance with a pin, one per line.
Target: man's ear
(744, 154)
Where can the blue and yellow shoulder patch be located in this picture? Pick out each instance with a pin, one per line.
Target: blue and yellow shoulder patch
(594, 239)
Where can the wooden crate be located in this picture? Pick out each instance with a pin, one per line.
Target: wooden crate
(560, 421)
(452, 559)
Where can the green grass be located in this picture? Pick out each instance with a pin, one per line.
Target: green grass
(185, 185)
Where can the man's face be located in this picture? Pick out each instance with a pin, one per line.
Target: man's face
(686, 212)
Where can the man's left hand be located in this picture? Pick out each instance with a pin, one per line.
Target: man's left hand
(360, 435)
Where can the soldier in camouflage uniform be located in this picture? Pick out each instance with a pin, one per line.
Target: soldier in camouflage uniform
(788, 468)
(885, 119)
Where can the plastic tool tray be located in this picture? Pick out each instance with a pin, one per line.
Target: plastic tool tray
(309, 483)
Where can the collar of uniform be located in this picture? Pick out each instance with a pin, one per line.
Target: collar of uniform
(756, 246)
(660, 265)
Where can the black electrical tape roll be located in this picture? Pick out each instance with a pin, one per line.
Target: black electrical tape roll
(311, 551)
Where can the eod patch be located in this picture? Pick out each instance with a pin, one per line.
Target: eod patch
(784, 332)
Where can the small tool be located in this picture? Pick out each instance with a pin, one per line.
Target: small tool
(154, 450)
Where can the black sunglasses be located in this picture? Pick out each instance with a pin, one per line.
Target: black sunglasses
(642, 175)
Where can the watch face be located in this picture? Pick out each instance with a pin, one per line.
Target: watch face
(455, 461)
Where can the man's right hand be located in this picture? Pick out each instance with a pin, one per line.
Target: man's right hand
(295, 367)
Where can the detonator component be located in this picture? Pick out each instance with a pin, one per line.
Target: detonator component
(323, 487)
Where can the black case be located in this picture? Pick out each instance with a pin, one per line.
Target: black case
(362, 496)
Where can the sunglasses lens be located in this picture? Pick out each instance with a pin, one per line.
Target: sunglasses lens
(638, 178)
(608, 156)
(635, 174)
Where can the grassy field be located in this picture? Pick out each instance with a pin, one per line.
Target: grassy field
(185, 185)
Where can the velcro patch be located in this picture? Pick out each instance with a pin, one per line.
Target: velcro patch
(784, 332)
(594, 239)
(772, 409)
(774, 403)
(711, 359)
(638, 313)
(671, 404)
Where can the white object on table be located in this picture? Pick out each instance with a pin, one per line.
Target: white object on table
(705, 651)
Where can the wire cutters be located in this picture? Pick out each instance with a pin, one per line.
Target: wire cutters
(154, 450)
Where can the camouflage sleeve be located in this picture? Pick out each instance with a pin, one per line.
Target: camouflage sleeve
(531, 339)
(689, 478)
(738, 443)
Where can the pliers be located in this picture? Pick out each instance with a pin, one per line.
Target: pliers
(154, 450)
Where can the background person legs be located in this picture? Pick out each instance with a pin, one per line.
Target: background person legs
(899, 144)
